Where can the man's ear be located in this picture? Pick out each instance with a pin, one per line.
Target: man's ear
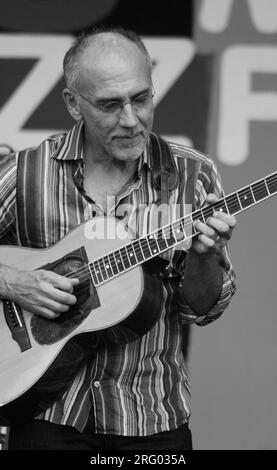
(72, 104)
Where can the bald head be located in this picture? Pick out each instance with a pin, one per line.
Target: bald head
(100, 49)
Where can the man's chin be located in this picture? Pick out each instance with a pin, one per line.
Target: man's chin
(129, 153)
(128, 157)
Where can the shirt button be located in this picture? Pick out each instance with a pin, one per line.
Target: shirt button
(96, 384)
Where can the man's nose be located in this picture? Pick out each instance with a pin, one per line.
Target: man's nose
(128, 117)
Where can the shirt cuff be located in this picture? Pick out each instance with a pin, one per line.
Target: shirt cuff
(227, 291)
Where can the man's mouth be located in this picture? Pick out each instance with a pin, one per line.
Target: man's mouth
(130, 140)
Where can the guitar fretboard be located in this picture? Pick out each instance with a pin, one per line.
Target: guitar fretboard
(161, 240)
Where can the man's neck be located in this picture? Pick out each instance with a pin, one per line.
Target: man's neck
(101, 163)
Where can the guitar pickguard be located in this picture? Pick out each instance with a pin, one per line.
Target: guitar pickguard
(48, 331)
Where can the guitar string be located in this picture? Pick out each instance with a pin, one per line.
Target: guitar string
(230, 201)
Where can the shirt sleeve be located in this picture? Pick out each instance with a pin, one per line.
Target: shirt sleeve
(7, 194)
(208, 181)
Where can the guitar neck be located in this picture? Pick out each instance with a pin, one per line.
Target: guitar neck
(168, 236)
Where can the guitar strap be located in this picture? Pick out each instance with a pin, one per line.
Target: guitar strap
(165, 174)
(165, 180)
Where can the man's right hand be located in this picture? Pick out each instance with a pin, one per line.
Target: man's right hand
(41, 292)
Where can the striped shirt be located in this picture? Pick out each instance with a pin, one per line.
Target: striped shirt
(132, 386)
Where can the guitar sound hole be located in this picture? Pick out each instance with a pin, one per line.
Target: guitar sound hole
(47, 331)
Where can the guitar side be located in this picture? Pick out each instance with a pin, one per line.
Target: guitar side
(118, 298)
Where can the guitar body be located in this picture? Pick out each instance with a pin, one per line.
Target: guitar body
(26, 358)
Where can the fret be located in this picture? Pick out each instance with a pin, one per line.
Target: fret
(138, 251)
(125, 257)
(170, 237)
(108, 267)
(206, 213)
(267, 186)
(178, 231)
(146, 248)
(194, 231)
(103, 269)
(114, 264)
(161, 239)
(252, 193)
(187, 227)
(93, 275)
(198, 215)
(131, 254)
(119, 261)
(221, 206)
(153, 245)
(233, 203)
(246, 197)
(272, 183)
(98, 272)
(260, 190)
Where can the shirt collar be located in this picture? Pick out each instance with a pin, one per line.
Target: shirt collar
(70, 146)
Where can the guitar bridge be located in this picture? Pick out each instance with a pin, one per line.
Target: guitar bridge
(16, 323)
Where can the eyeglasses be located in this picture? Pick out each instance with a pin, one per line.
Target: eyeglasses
(114, 107)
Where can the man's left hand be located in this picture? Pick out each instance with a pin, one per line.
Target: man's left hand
(216, 232)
